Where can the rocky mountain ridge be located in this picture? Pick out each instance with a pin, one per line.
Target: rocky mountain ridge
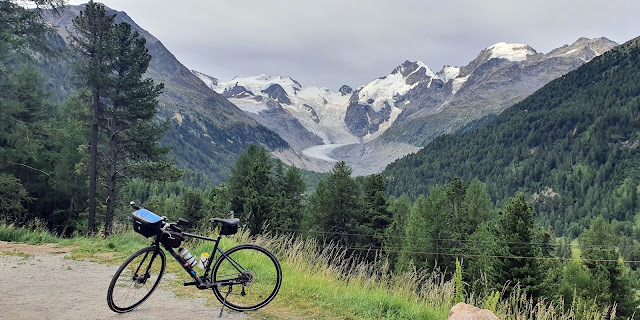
(397, 114)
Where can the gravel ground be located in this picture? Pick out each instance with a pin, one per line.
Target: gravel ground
(45, 285)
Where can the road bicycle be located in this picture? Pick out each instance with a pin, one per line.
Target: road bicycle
(244, 278)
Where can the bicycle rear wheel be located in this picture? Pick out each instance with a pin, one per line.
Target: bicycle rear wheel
(136, 279)
(252, 277)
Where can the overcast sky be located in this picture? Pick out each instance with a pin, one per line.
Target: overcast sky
(327, 43)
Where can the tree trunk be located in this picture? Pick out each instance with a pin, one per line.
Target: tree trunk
(112, 176)
(93, 166)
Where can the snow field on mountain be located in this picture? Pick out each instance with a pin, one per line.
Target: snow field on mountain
(248, 105)
(330, 107)
(258, 83)
(383, 90)
(510, 51)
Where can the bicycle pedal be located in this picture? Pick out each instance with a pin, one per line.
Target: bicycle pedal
(193, 283)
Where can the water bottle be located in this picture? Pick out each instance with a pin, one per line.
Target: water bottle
(204, 259)
(184, 253)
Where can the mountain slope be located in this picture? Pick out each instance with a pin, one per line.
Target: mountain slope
(394, 115)
(574, 145)
(208, 131)
(500, 76)
(315, 113)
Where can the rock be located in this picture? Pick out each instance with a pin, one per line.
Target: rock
(463, 311)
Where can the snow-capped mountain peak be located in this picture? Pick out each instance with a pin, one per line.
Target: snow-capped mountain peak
(259, 83)
(394, 108)
(318, 111)
(510, 51)
(447, 73)
(382, 91)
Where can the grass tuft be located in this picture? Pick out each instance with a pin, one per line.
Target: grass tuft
(323, 282)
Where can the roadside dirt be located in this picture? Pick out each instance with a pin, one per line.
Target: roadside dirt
(37, 282)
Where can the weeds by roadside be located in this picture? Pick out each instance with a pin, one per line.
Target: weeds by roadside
(324, 283)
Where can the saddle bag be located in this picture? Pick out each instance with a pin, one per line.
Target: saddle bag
(229, 229)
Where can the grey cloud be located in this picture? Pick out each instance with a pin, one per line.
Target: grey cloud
(330, 42)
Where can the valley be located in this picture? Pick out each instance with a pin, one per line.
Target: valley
(397, 114)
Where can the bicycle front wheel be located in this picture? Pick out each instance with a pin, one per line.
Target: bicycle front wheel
(136, 279)
(250, 277)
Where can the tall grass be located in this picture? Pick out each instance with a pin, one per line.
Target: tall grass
(324, 282)
(520, 306)
(34, 233)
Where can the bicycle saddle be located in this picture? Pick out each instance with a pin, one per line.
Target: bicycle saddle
(226, 222)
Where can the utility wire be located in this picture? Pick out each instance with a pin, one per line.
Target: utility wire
(401, 237)
(465, 255)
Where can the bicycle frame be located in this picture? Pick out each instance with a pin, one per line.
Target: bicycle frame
(200, 282)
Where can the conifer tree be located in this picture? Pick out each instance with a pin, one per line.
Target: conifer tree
(400, 209)
(516, 236)
(611, 282)
(131, 138)
(92, 40)
(219, 202)
(251, 188)
(427, 232)
(335, 206)
(192, 206)
(112, 62)
(375, 216)
(21, 104)
(23, 137)
(416, 237)
(288, 209)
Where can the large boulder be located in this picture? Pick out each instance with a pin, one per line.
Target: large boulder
(463, 311)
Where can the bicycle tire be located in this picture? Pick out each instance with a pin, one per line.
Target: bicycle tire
(126, 284)
(258, 264)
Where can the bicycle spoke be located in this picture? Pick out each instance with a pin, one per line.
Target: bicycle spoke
(136, 279)
(255, 283)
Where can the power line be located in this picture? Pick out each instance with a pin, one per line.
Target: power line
(464, 255)
(525, 244)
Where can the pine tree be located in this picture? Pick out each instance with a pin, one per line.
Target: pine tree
(22, 28)
(23, 138)
(192, 206)
(252, 188)
(375, 218)
(476, 208)
(132, 140)
(427, 232)
(92, 40)
(68, 176)
(611, 282)
(335, 206)
(113, 60)
(288, 209)
(21, 106)
(416, 237)
(516, 235)
(219, 202)
(400, 209)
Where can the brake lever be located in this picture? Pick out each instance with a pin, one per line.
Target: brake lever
(134, 205)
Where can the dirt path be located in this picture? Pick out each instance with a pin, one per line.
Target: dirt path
(45, 285)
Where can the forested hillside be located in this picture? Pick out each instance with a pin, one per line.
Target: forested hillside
(207, 131)
(573, 147)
